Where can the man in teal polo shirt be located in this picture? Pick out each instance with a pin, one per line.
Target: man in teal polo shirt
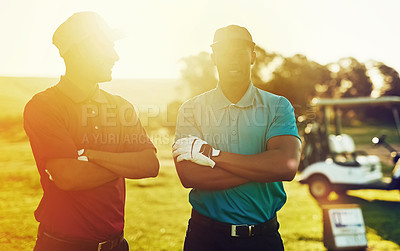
(234, 146)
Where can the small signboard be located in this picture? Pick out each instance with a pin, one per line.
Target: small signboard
(344, 227)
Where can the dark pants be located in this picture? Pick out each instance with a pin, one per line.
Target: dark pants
(46, 243)
(204, 234)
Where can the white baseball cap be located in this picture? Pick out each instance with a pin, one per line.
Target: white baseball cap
(80, 26)
(232, 33)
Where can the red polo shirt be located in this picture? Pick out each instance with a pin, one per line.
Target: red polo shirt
(59, 121)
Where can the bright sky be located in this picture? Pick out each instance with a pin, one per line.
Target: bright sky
(161, 32)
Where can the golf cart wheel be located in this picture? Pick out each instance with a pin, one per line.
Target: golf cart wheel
(319, 187)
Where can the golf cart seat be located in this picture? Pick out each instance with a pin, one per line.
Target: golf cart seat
(341, 143)
(343, 150)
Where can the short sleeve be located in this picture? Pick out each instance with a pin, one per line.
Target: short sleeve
(186, 122)
(134, 135)
(47, 132)
(284, 121)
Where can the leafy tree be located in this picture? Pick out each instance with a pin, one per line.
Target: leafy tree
(391, 80)
(264, 66)
(352, 79)
(198, 73)
(294, 77)
(390, 87)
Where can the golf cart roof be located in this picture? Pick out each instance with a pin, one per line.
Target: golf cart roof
(355, 101)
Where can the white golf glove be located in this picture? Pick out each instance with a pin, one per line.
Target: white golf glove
(82, 157)
(194, 149)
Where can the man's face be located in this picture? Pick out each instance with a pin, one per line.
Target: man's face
(233, 61)
(95, 57)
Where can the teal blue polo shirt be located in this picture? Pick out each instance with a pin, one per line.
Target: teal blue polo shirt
(244, 128)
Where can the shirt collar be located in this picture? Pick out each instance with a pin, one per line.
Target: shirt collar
(247, 100)
(68, 88)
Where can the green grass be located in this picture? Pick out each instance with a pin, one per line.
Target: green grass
(157, 209)
(363, 134)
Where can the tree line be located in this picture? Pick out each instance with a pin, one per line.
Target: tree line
(300, 80)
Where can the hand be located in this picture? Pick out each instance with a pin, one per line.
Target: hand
(194, 144)
(81, 155)
(194, 149)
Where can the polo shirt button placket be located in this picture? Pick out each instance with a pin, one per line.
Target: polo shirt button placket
(235, 141)
(234, 135)
(233, 113)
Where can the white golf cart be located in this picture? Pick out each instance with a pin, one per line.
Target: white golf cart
(330, 162)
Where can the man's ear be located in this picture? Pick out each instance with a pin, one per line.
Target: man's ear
(253, 57)
(213, 58)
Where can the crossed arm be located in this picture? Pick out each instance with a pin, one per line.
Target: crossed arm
(102, 167)
(278, 163)
(193, 175)
(44, 125)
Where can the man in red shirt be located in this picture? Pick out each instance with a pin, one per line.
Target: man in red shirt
(85, 142)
